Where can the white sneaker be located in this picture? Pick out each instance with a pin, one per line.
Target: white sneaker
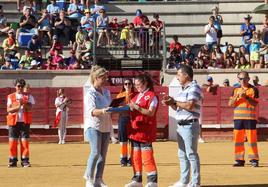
(134, 184)
(201, 140)
(151, 184)
(99, 183)
(89, 183)
(59, 142)
(62, 141)
(114, 140)
(179, 184)
(193, 185)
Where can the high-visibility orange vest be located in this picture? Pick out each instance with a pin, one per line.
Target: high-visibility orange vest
(12, 118)
(243, 109)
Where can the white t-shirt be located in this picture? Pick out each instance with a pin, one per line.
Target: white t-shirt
(211, 36)
(154, 101)
(20, 112)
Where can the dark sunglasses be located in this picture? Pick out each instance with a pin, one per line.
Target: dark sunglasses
(127, 83)
(20, 86)
(243, 78)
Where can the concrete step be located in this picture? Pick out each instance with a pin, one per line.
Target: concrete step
(183, 7)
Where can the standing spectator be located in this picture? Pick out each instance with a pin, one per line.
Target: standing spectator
(97, 126)
(255, 45)
(44, 25)
(245, 100)
(124, 121)
(157, 26)
(62, 103)
(27, 23)
(3, 22)
(19, 119)
(142, 132)
(53, 10)
(56, 44)
(102, 27)
(211, 33)
(218, 21)
(246, 31)
(226, 83)
(255, 80)
(265, 30)
(63, 27)
(187, 106)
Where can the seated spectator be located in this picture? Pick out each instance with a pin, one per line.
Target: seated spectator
(22, 66)
(49, 65)
(211, 33)
(44, 25)
(187, 56)
(255, 80)
(124, 23)
(61, 65)
(204, 56)
(3, 22)
(226, 83)
(102, 27)
(210, 86)
(242, 64)
(255, 45)
(230, 53)
(27, 58)
(79, 39)
(63, 27)
(175, 49)
(7, 65)
(27, 23)
(218, 56)
(229, 64)
(114, 31)
(53, 10)
(34, 45)
(57, 57)
(212, 64)
(86, 51)
(157, 26)
(125, 37)
(10, 44)
(56, 45)
(243, 52)
(75, 10)
(70, 61)
(34, 65)
(87, 22)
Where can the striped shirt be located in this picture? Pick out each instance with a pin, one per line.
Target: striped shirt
(191, 92)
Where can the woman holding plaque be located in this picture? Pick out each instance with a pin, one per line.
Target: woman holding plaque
(142, 131)
(124, 120)
(97, 126)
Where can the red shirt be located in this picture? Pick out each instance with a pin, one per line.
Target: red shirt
(175, 46)
(157, 24)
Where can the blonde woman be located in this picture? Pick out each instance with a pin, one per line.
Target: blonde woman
(61, 103)
(98, 126)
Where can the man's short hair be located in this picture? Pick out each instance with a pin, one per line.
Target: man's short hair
(20, 81)
(188, 70)
(243, 72)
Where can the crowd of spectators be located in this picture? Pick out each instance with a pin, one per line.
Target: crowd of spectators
(250, 54)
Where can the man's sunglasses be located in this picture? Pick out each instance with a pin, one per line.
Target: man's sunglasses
(20, 86)
(243, 78)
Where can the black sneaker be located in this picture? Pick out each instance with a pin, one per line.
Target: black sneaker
(12, 164)
(254, 163)
(129, 163)
(25, 164)
(123, 162)
(239, 163)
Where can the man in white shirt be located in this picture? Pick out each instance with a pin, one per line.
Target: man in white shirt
(211, 33)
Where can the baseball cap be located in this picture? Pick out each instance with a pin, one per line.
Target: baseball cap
(87, 11)
(209, 78)
(247, 16)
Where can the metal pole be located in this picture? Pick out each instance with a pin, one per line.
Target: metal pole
(164, 64)
(94, 43)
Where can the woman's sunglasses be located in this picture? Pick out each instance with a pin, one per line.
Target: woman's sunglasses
(127, 83)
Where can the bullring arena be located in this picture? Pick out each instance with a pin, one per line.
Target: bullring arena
(54, 165)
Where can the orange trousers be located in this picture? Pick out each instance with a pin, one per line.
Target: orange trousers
(142, 154)
(248, 127)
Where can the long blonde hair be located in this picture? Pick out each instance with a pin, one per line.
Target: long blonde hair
(97, 71)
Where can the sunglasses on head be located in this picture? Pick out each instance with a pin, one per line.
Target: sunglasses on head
(127, 83)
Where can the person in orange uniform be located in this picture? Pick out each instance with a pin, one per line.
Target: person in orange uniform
(244, 100)
(124, 120)
(19, 119)
(142, 131)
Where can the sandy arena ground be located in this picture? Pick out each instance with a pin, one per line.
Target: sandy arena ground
(56, 165)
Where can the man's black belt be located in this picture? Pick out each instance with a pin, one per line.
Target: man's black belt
(187, 122)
